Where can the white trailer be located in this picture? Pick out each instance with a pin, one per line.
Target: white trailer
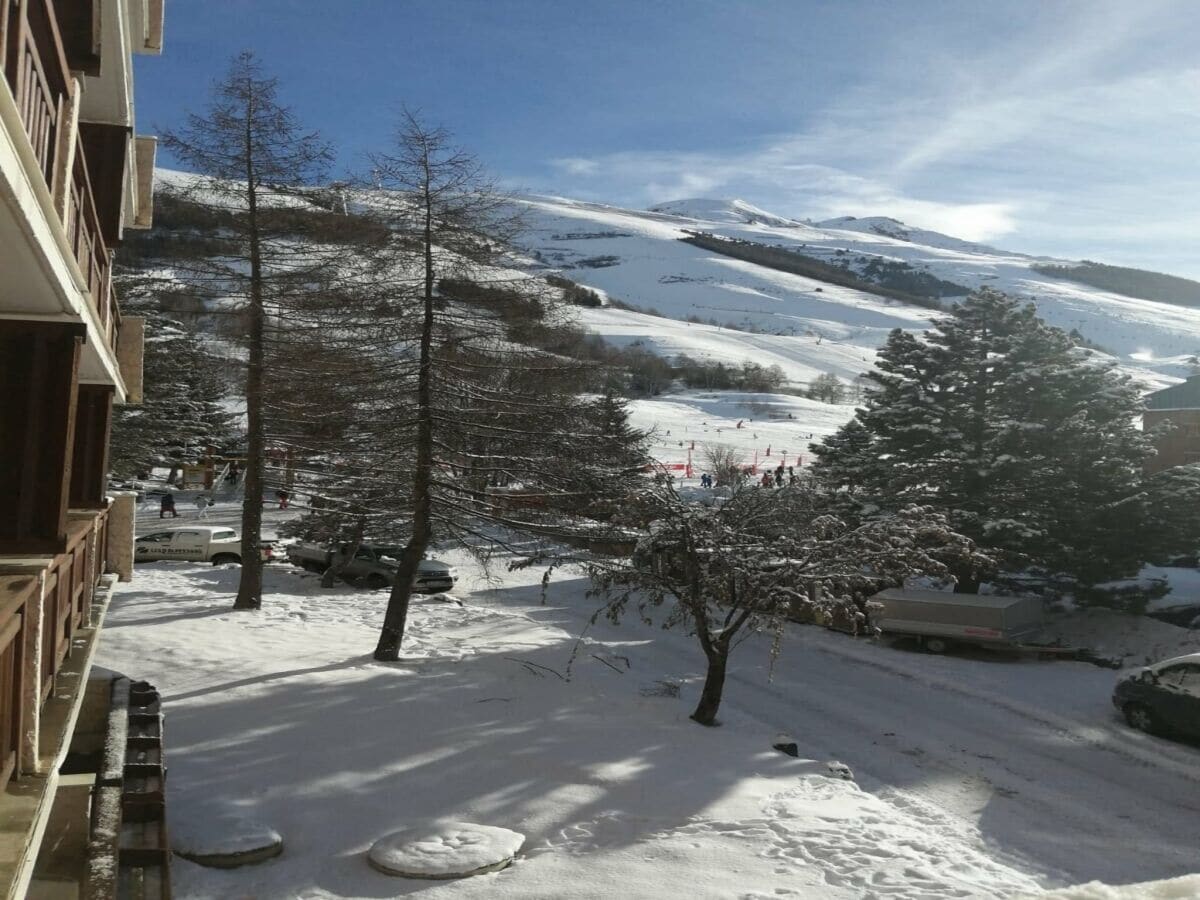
(938, 619)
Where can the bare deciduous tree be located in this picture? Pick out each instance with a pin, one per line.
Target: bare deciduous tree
(725, 464)
(496, 432)
(745, 566)
(254, 159)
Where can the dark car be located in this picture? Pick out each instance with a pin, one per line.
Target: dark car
(1164, 697)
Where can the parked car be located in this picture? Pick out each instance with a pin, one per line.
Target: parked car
(374, 565)
(201, 543)
(939, 619)
(1164, 697)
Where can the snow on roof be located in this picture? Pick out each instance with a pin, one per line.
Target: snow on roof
(1177, 396)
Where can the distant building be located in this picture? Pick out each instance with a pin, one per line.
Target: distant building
(74, 175)
(1178, 405)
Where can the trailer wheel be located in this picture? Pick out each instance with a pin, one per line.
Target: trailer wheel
(936, 645)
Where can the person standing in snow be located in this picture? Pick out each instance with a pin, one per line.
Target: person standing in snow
(167, 505)
(202, 503)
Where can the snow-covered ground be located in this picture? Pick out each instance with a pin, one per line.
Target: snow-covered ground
(765, 429)
(975, 776)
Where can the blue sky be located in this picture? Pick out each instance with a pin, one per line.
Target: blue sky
(1049, 126)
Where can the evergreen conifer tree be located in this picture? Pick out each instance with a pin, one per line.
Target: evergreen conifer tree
(1026, 441)
(182, 413)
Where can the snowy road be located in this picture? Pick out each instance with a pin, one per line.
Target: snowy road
(1062, 799)
(1029, 752)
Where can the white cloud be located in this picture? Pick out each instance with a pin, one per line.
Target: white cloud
(1075, 133)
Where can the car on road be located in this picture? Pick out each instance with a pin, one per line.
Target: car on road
(201, 543)
(1162, 698)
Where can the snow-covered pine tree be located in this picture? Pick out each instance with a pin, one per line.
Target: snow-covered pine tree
(607, 454)
(1026, 441)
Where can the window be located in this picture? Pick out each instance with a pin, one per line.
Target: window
(159, 537)
(223, 534)
(1190, 680)
(1179, 676)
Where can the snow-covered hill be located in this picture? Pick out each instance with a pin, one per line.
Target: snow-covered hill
(808, 325)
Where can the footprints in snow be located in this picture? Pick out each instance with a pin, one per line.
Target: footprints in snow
(889, 847)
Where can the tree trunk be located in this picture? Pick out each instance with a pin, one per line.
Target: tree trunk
(249, 595)
(395, 620)
(714, 685)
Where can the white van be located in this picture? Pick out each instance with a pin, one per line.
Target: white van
(215, 544)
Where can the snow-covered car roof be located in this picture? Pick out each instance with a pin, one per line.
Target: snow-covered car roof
(1174, 660)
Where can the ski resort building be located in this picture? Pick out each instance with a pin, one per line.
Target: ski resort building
(1177, 406)
(74, 175)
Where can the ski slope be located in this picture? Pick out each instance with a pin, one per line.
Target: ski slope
(636, 257)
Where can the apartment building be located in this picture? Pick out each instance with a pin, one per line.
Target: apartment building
(81, 806)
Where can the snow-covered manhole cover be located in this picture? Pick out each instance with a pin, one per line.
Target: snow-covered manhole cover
(449, 850)
(225, 842)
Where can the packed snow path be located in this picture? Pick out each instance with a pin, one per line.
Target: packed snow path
(977, 777)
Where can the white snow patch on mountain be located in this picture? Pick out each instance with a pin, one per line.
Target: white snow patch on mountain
(732, 211)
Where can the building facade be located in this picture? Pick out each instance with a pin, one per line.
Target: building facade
(1173, 416)
(74, 176)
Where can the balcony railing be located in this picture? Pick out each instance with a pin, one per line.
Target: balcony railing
(35, 68)
(83, 231)
(66, 601)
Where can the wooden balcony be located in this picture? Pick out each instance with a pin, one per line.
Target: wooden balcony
(50, 612)
(35, 68)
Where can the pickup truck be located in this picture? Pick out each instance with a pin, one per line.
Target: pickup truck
(374, 565)
(201, 543)
(940, 619)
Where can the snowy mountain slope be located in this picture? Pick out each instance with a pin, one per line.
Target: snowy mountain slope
(888, 227)
(732, 211)
(636, 257)
(802, 357)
